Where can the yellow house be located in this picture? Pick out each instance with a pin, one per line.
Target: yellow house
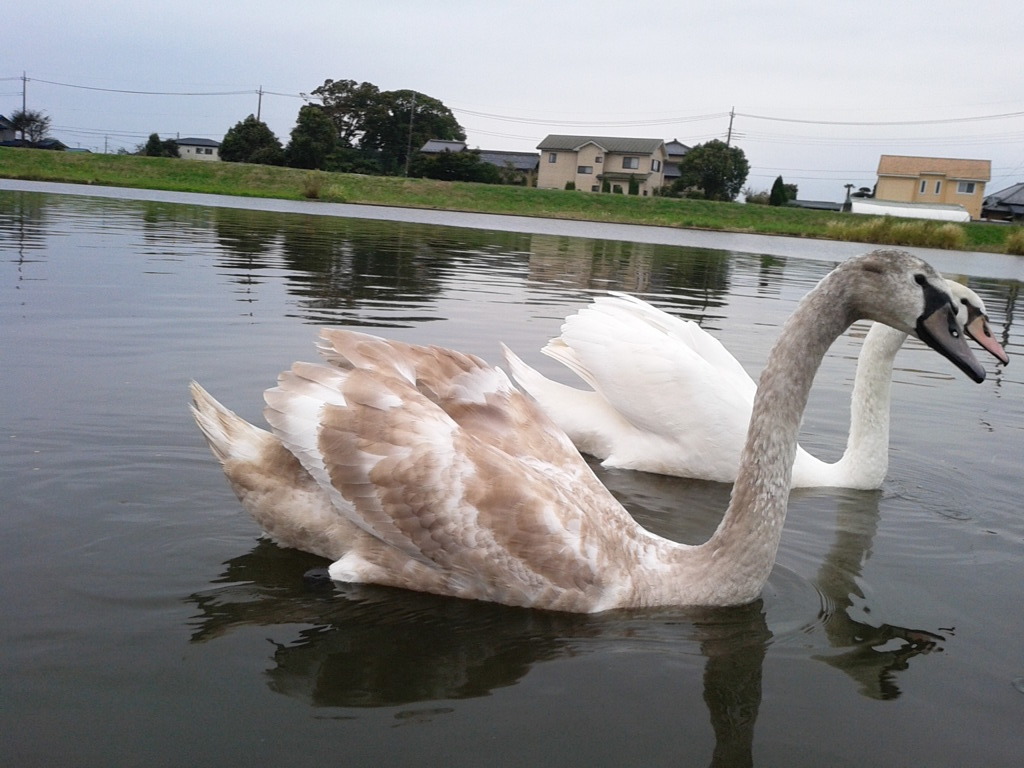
(943, 180)
(596, 163)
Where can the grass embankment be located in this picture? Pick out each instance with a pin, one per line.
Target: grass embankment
(292, 184)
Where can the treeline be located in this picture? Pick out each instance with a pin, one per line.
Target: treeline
(356, 128)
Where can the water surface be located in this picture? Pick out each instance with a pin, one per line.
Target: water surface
(144, 622)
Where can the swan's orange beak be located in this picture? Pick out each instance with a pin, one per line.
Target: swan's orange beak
(941, 332)
(977, 328)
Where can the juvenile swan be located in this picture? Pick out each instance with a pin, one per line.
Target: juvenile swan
(424, 468)
(667, 397)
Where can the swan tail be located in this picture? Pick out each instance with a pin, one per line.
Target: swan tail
(274, 488)
(229, 436)
(585, 416)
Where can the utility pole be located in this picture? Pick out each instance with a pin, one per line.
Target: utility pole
(24, 88)
(728, 137)
(408, 151)
(259, 104)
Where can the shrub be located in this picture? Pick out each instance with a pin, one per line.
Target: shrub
(887, 230)
(755, 198)
(1015, 242)
(313, 185)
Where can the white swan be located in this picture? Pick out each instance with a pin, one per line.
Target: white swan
(667, 397)
(424, 468)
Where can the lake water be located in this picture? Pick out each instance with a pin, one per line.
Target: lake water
(145, 623)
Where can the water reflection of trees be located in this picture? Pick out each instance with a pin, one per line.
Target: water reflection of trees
(336, 264)
(358, 646)
(699, 276)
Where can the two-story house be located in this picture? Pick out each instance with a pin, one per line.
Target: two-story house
(936, 180)
(601, 163)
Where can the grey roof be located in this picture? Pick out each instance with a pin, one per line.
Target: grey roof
(618, 144)
(520, 161)
(433, 146)
(1010, 196)
(676, 148)
(197, 142)
(5, 123)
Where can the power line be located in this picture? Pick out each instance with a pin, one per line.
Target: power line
(939, 121)
(145, 93)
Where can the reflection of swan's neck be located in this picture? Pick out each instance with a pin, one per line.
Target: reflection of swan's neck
(740, 554)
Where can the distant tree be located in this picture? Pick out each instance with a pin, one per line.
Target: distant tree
(404, 120)
(716, 169)
(157, 148)
(455, 166)
(251, 141)
(778, 194)
(352, 160)
(313, 139)
(383, 126)
(31, 123)
(347, 104)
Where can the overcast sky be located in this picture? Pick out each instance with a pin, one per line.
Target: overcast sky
(820, 88)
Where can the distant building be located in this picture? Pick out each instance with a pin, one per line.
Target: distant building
(1005, 205)
(594, 163)
(198, 149)
(436, 146)
(518, 167)
(933, 180)
(675, 150)
(7, 132)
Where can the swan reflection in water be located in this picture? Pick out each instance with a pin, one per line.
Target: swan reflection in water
(368, 646)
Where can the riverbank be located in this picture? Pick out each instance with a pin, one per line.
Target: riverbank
(262, 181)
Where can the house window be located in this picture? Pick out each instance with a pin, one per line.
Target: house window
(965, 187)
(595, 188)
(938, 187)
(924, 186)
(552, 157)
(598, 160)
(631, 162)
(655, 165)
(585, 169)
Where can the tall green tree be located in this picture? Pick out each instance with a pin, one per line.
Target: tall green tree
(779, 195)
(154, 147)
(251, 141)
(383, 126)
(347, 104)
(313, 139)
(715, 168)
(32, 124)
(403, 121)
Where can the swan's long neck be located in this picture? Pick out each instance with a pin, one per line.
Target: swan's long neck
(739, 556)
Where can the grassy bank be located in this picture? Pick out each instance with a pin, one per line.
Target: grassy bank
(289, 183)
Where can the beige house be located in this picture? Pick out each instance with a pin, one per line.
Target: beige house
(601, 163)
(198, 149)
(942, 180)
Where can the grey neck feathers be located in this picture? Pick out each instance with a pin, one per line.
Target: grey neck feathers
(743, 548)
